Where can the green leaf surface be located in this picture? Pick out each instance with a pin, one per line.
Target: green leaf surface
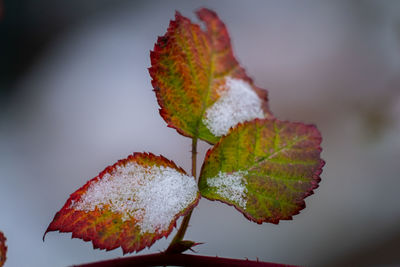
(130, 204)
(201, 88)
(264, 168)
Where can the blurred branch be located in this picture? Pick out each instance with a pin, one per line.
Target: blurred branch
(162, 259)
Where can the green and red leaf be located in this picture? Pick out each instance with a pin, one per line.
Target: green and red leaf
(3, 249)
(130, 204)
(200, 86)
(264, 168)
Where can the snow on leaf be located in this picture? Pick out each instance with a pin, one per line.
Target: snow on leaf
(238, 103)
(201, 88)
(131, 204)
(3, 249)
(264, 168)
(231, 186)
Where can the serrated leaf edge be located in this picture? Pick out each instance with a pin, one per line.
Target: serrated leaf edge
(314, 181)
(150, 242)
(261, 93)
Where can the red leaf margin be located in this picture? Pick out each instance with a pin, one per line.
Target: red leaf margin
(218, 35)
(301, 204)
(66, 219)
(3, 249)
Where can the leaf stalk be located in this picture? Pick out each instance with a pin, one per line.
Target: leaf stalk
(185, 222)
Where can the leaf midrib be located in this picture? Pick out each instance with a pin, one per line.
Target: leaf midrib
(277, 152)
(207, 94)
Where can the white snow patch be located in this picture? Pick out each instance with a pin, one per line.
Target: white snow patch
(231, 186)
(239, 103)
(152, 195)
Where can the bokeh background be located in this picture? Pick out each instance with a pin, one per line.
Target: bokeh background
(76, 96)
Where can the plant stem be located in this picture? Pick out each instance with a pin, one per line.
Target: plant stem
(185, 222)
(162, 259)
(194, 157)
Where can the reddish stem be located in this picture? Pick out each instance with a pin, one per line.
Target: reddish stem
(162, 259)
(185, 222)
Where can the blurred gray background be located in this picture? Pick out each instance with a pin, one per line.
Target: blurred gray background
(76, 96)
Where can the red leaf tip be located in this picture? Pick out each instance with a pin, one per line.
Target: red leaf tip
(3, 249)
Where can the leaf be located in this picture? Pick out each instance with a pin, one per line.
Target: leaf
(130, 204)
(3, 249)
(181, 246)
(201, 88)
(264, 168)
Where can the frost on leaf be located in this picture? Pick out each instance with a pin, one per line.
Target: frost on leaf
(130, 204)
(3, 249)
(265, 168)
(237, 103)
(201, 88)
(230, 186)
